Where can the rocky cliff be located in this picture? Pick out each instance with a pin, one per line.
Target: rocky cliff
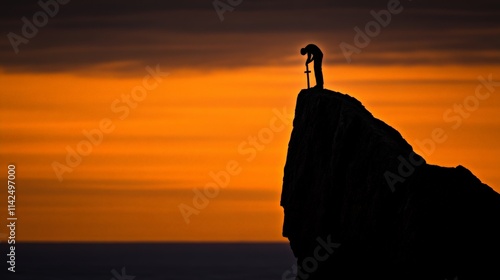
(359, 202)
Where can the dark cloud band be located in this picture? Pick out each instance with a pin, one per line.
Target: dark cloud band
(189, 34)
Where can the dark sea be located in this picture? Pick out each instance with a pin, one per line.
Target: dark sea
(148, 261)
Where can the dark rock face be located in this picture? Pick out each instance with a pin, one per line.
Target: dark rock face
(360, 203)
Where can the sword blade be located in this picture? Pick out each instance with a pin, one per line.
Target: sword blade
(307, 74)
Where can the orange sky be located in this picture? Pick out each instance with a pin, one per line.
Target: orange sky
(129, 187)
(231, 80)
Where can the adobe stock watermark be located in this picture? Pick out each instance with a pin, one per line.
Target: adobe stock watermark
(249, 149)
(372, 29)
(39, 20)
(122, 276)
(454, 117)
(310, 264)
(121, 107)
(221, 7)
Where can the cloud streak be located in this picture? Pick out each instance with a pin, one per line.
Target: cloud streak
(123, 36)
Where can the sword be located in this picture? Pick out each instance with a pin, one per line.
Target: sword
(307, 73)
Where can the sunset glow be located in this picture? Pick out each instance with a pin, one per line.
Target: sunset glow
(161, 148)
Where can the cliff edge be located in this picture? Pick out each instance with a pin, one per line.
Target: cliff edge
(359, 202)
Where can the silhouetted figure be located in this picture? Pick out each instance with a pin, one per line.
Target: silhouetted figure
(314, 54)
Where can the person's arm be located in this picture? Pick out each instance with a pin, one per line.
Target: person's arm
(309, 59)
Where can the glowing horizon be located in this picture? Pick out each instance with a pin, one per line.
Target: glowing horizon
(168, 145)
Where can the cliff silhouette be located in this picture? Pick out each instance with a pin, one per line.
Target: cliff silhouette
(359, 202)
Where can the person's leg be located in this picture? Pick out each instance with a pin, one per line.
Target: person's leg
(318, 72)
